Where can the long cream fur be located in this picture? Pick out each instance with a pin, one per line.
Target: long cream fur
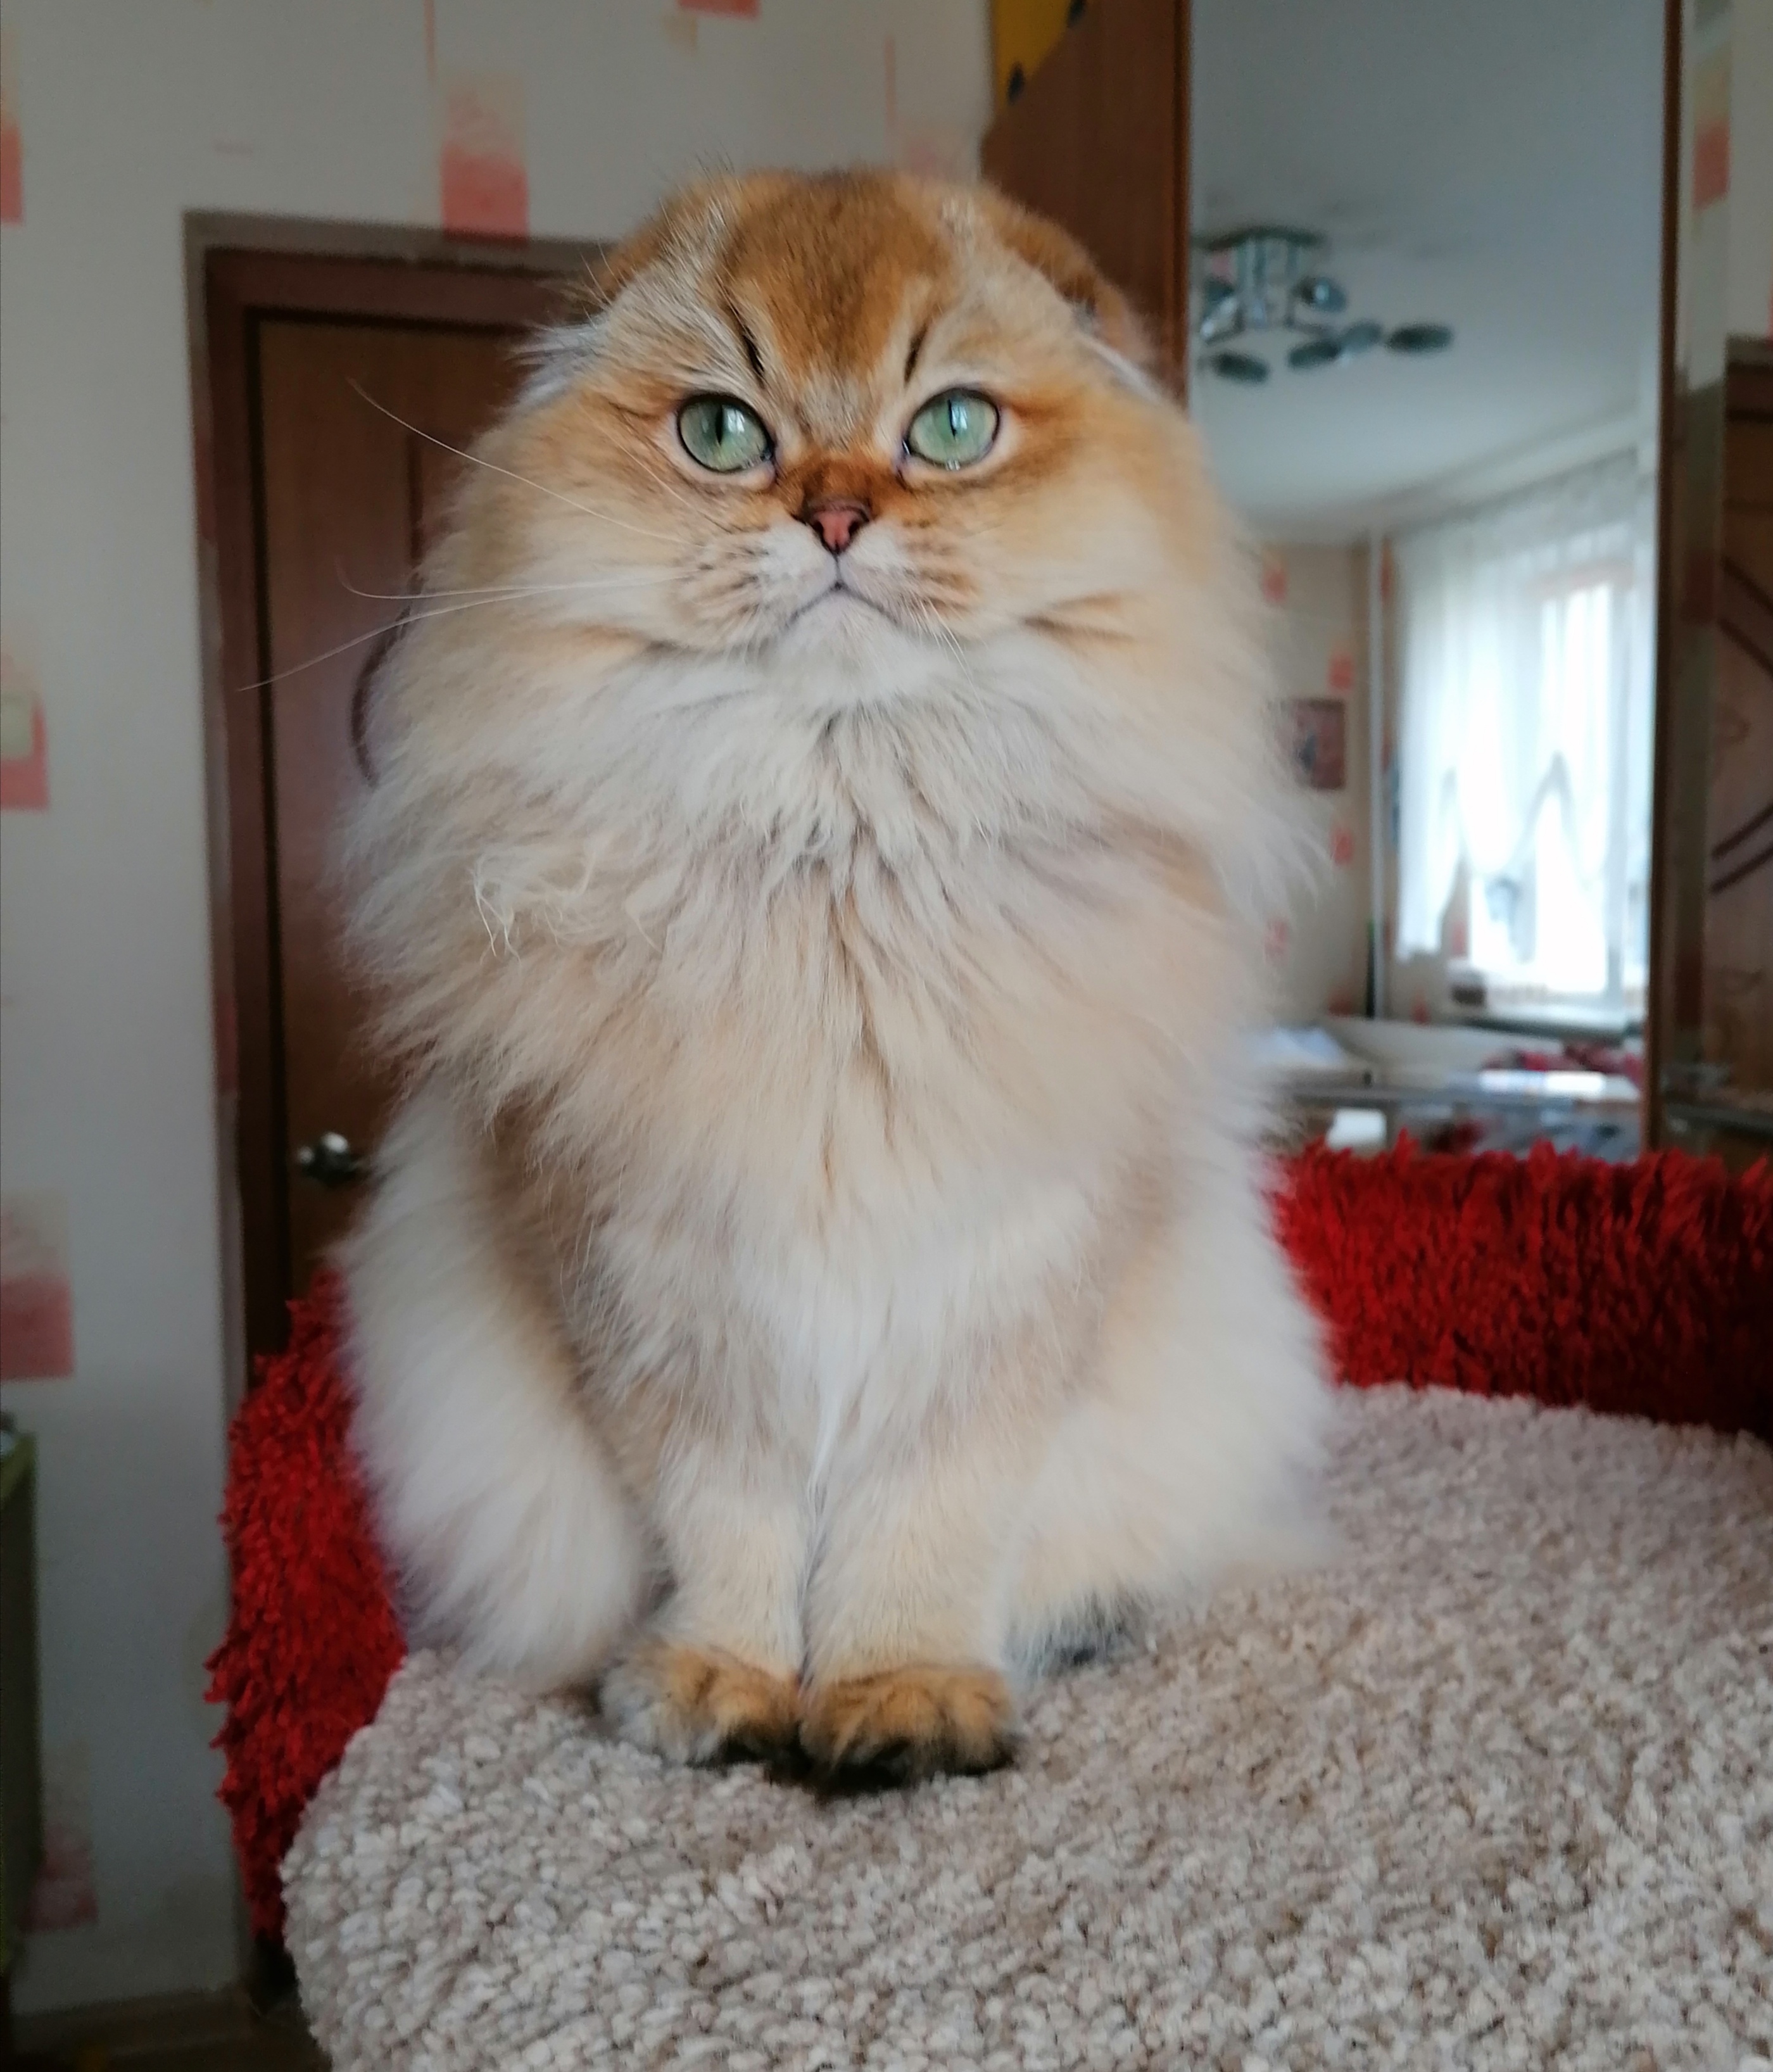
(824, 1244)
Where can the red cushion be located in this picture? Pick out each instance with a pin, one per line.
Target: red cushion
(312, 1638)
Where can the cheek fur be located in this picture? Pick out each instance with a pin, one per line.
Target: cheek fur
(918, 565)
(741, 586)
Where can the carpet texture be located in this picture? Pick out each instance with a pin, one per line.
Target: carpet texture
(1493, 1790)
(1645, 1289)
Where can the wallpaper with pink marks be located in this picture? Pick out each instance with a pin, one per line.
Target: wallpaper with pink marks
(1317, 950)
(24, 738)
(64, 1893)
(12, 149)
(1709, 94)
(36, 1300)
(483, 176)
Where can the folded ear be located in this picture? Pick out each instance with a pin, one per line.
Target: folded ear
(607, 275)
(564, 347)
(693, 220)
(1057, 256)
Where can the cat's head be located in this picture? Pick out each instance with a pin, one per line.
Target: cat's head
(817, 414)
(843, 499)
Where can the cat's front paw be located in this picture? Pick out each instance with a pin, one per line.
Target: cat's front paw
(700, 1704)
(911, 1722)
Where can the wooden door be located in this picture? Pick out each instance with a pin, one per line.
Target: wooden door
(1098, 141)
(357, 422)
(337, 389)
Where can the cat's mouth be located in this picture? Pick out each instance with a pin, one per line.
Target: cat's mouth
(837, 600)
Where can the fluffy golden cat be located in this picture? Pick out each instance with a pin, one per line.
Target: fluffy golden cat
(821, 1267)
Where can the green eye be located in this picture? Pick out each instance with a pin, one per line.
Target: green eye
(721, 434)
(954, 430)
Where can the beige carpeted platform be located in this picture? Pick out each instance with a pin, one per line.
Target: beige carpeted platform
(1495, 1790)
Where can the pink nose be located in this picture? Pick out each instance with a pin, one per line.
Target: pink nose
(837, 523)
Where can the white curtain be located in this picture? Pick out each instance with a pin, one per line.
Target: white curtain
(1523, 743)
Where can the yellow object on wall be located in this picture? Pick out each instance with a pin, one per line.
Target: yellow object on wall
(1022, 33)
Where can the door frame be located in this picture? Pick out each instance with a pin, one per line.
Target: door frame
(239, 273)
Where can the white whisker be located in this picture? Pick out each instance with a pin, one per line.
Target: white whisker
(345, 647)
(946, 636)
(376, 633)
(511, 474)
(657, 475)
(640, 579)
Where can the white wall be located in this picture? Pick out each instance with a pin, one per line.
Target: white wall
(128, 117)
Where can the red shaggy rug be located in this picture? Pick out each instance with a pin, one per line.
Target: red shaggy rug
(1644, 1289)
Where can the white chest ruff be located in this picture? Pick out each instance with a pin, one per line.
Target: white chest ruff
(870, 1330)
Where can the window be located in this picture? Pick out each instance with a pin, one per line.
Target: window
(1523, 745)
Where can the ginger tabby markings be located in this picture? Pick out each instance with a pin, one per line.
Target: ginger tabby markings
(821, 1269)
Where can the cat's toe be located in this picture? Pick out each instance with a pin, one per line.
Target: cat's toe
(700, 1704)
(900, 1725)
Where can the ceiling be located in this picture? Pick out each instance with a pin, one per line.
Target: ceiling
(1496, 166)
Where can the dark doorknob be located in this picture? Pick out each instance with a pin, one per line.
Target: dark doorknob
(330, 1160)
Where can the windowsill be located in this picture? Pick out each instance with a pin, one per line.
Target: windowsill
(1581, 1019)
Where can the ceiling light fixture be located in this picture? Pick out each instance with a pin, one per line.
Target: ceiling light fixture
(1267, 278)
(1421, 338)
